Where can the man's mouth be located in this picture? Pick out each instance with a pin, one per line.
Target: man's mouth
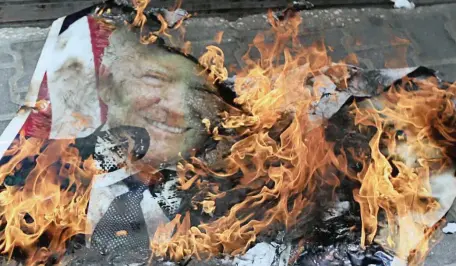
(165, 127)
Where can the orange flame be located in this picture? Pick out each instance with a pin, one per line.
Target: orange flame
(153, 36)
(218, 37)
(44, 205)
(280, 157)
(405, 198)
(140, 20)
(295, 166)
(213, 61)
(286, 173)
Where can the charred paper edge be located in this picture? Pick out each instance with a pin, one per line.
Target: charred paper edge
(11, 131)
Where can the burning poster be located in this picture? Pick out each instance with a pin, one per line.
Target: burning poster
(130, 151)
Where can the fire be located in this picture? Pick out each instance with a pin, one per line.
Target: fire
(289, 172)
(151, 37)
(140, 18)
(213, 61)
(280, 161)
(285, 173)
(218, 37)
(415, 128)
(52, 201)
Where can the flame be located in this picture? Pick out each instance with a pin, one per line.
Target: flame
(151, 37)
(398, 57)
(140, 19)
(280, 157)
(406, 198)
(214, 62)
(287, 173)
(52, 201)
(218, 37)
(187, 48)
(208, 206)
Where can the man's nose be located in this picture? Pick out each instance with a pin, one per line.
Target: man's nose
(144, 102)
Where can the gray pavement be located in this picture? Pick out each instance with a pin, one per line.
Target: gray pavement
(367, 32)
(19, 53)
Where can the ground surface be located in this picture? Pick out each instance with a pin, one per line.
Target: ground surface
(370, 33)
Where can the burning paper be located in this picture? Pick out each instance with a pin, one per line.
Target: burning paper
(129, 150)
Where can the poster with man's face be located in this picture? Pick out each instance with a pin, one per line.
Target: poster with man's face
(129, 84)
(127, 150)
(122, 105)
(160, 90)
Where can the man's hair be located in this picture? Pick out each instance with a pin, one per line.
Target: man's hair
(124, 42)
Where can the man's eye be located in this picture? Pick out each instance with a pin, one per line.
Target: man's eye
(151, 80)
(155, 78)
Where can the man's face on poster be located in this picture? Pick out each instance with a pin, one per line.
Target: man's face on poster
(151, 87)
